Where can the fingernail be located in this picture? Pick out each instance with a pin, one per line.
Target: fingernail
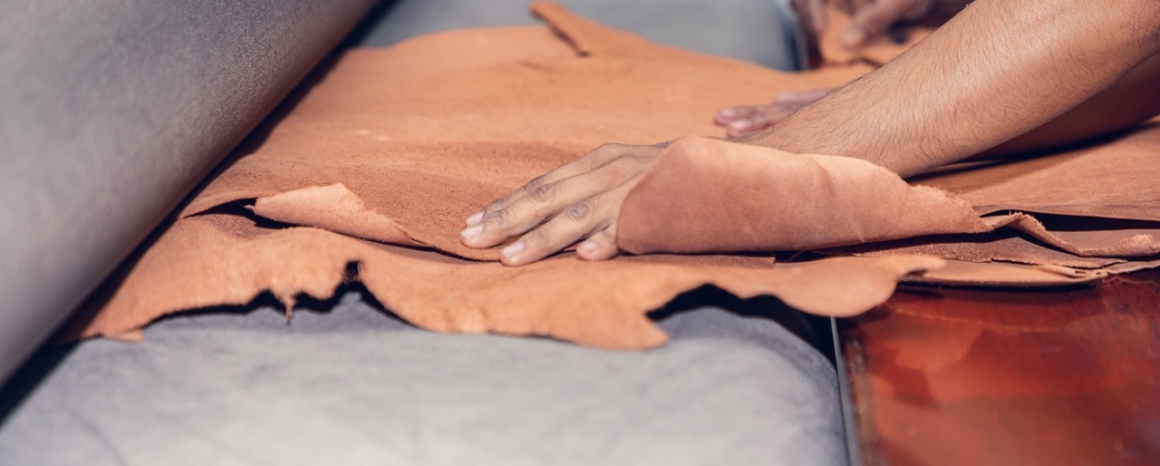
(475, 218)
(588, 247)
(514, 249)
(853, 38)
(471, 232)
(741, 124)
(727, 112)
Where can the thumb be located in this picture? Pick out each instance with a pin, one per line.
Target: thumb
(875, 18)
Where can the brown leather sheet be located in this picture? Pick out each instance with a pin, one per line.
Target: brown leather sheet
(214, 259)
(733, 197)
(1093, 209)
(737, 197)
(382, 158)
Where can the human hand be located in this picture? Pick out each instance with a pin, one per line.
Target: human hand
(871, 18)
(877, 17)
(579, 201)
(745, 119)
(811, 15)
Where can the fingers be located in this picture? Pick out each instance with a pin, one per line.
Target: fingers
(745, 119)
(599, 156)
(799, 98)
(877, 17)
(589, 218)
(757, 118)
(600, 246)
(560, 198)
(756, 122)
(553, 215)
(727, 115)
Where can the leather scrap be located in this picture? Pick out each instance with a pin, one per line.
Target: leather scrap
(705, 195)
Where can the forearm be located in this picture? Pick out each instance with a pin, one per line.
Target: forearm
(1134, 99)
(997, 70)
(944, 10)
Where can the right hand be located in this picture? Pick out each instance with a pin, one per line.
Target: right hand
(577, 203)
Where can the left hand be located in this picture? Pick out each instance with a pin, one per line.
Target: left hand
(577, 202)
(745, 119)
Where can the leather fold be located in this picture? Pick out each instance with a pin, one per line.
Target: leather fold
(707, 195)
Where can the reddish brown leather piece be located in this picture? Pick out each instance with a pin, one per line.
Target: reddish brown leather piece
(1003, 274)
(1113, 179)
(218, 259)
(705, 195)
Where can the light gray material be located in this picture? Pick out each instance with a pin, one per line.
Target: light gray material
(110, 112)
(355, 387)
(758, 31)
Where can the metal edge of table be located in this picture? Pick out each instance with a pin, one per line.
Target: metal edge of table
(849, 421)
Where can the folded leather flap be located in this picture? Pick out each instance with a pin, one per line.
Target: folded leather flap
(707, 195)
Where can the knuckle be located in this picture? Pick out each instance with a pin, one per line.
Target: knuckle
(579, 211)
(543, 193)
(534, 183)
(497, 219)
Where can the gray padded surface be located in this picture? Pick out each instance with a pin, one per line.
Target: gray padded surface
(111, 111)
(349, 386)
(356, 387)
(758, 31)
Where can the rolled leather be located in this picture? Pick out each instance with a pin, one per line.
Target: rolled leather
(111, 112)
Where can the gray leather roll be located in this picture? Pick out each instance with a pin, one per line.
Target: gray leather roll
(111, 111)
